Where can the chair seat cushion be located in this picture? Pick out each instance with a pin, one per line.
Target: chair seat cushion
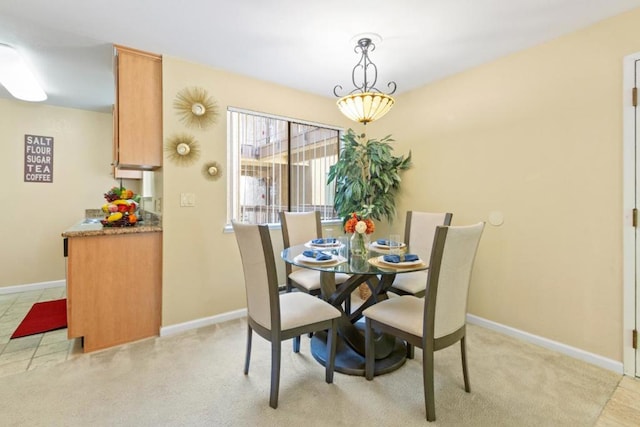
(411, 283)
(404, 313)
(310, 279)
(298, 309)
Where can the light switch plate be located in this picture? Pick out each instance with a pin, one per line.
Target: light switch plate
(187, 199)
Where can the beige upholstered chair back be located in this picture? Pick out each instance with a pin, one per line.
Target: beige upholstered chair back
(449, 277)
(420, 229)
(260, 275)
(300, 227)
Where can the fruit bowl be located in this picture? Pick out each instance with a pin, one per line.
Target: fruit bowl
(121, 207)
(119, 223)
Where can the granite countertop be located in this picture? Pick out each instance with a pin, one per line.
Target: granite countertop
(84, 229)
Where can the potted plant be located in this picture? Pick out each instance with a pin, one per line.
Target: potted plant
(367, 177)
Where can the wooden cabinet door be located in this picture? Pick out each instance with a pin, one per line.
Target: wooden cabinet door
(138, 111)
(116, 171)
(114, 288)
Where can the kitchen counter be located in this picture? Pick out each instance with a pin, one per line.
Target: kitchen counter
(114, 282)
(84, 228)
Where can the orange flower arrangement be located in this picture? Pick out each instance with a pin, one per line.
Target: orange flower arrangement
(358, 224)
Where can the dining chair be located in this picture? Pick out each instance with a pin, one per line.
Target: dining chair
(278, 317)
(419, 231)
(438, 320)
(299, 228)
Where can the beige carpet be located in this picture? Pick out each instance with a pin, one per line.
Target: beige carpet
(196, 379)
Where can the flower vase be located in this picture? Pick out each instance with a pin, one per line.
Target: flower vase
(359, 244)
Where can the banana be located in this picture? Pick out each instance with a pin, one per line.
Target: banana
(120, 202)
(114, 217)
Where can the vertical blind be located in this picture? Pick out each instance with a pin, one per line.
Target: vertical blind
(277, 164)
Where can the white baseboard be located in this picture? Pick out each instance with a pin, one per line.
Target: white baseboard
(574, 352)
(32, 287)
(199, 323)
(603, 362)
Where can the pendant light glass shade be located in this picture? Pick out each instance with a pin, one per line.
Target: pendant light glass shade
(365, 107)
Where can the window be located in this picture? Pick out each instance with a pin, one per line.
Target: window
(277, 164)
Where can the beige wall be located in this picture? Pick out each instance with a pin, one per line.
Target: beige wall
(35, 214)
(202, 270)
(537, 136)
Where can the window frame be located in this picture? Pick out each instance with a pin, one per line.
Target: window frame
(233, 154)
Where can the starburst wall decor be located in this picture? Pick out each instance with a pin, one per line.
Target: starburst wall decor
(211, 171)
(182, 149)
(195, 108)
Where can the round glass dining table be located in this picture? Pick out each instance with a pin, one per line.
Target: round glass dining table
(390, 353)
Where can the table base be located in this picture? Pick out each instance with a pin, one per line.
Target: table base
(350, 362)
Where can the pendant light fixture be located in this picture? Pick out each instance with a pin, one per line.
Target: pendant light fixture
(365, 103)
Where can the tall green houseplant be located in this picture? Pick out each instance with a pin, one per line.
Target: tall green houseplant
(367, 176)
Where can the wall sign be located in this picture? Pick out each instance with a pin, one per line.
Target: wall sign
(38, 158)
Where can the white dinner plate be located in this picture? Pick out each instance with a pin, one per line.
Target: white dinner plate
(376, 244)
(323, 245)
(302, 258)
(399, 264)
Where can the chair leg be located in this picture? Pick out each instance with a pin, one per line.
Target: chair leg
(465, 371)
(275, 373)
(427, 379)
(332, 337)
(369, 358)
(248, 353)
(410, 351)
(296, 344)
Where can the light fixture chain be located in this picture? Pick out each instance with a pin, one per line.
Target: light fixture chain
(364, 46)
(364, 64)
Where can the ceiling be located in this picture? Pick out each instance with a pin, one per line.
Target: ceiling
(303, 45)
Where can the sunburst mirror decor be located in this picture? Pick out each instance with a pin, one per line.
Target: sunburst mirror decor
(182, 149)
(195, 107)
(211, 170)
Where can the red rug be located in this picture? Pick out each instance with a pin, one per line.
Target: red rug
(43, 317)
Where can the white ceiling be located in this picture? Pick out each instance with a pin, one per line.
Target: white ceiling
(307, 45)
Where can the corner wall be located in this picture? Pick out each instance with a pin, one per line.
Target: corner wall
(536, 136)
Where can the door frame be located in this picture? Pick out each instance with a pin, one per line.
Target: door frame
(629, 256)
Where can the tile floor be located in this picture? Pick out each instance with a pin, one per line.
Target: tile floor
(623, 408)
(31, 352)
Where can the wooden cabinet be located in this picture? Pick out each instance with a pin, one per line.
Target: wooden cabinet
(137, 112)
(114, 288)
